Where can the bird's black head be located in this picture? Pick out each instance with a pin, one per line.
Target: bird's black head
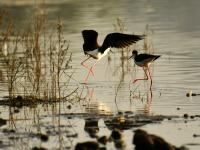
(134, 52)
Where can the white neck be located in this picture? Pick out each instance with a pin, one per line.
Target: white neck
(100, 55)
(97, 55)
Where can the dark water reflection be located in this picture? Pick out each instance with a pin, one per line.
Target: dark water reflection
(176, 33)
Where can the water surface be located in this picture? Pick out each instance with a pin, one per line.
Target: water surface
(174, 28)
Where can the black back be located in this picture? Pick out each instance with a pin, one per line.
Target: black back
(142, 57)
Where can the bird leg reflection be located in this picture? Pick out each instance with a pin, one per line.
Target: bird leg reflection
(84, 65)
(90, 93)
(150, 78)
(147, 106)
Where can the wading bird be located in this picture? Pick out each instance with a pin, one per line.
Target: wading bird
(94, 50)
(144, 61)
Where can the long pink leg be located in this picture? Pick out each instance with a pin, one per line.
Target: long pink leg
(142, 78)
(86, 78)
(90, 71)
(84, 65)
(91, 68)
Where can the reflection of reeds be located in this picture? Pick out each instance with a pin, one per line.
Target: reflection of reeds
(120, 27)
(12, 64)
(33, 64)
(124, 53)
(33, 56)
(147, 47)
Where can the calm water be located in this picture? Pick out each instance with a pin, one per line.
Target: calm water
(176, 34)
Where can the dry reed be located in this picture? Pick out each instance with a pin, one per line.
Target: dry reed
(35, 62)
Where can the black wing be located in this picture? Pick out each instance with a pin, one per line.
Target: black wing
(119, 40)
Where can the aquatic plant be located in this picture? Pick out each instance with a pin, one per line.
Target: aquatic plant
(35, 63)
(124, 63)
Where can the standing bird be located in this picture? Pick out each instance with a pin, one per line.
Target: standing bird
(144, 61)
(94, 50)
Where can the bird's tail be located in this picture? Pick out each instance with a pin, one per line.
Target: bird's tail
(157, 56)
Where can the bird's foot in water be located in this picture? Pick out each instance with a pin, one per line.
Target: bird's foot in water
(134, 81)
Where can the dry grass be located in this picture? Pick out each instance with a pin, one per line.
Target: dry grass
(34, 62)
(124, 52)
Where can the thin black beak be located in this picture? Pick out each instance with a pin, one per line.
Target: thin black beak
(130, 57)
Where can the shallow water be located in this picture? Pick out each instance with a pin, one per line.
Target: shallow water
(176, 33)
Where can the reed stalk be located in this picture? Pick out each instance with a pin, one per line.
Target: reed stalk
(35, 60)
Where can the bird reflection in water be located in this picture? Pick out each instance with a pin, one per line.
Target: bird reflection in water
(91, 127)
(147, 106)
(147, 97)
(90, 94)
(95, 111)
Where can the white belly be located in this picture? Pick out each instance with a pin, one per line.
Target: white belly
(97, 55)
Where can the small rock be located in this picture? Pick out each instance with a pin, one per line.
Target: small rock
(169, 118)
(19, 98)
(192, 117)
(69, 107)
(75, 135)
(185, 116)
(198, 116)
(43, 137)
(16, 111)
(120, 113)
(142, 140)
(103, 140)
(128, 112)
(39, 148)
(196, 135)
(90, 145)
(2, 122)
(145, 141)
(116, 134)
(120, 144)
(8, 130)
(91, 127)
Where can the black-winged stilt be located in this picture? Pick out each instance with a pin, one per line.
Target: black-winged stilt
(144, 61)
(94, 50)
